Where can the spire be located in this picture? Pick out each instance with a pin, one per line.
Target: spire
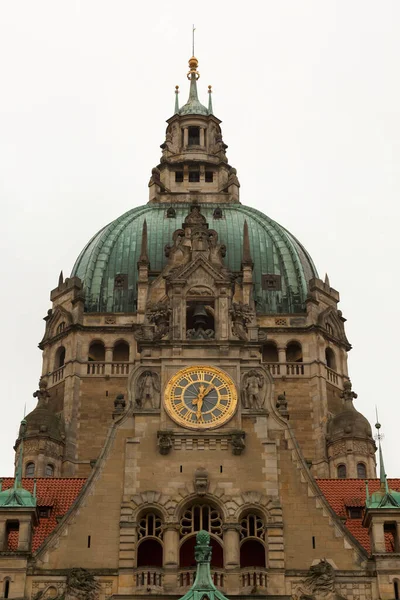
(60, 279)
(203, 585)
(144, 257)
(193, 106)
(210, 108)
(384, 497)
(327, 282)
(246, 258)
(176, 100)
(17, 495)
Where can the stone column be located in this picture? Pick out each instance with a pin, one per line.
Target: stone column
(24, 535)
(378, 538)
(232, 545)
(171, 545)
(109, 357)
(3, 535)
(185, 136)
(171, 555)
(201, 136)
(282, 354)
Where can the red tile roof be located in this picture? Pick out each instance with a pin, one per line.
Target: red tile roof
(346, 493)
(56, 494)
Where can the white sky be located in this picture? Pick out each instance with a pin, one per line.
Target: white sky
(309, 95)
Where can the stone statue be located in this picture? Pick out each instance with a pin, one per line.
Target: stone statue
(281, 405)
(165, 442)
(253, 390)
(148, 390)
(237, 441)
(42, 394)
(158, 314)
(241, 315)
(319, 583)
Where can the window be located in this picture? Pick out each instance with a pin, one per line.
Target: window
(49, 471)
(44, 512)
(294, 352)
(209, 177)
(171, 214)
(217, 214)
(330, 359)
(6, 588)
(252, 526)
(355, 512)
(121, 352)
(396, 589)
(194, 136)
(61, 327)
(194, 175)
(342, 472)
(391, 540)
(270, 352)
(150, 551)
(361, 471)
(178, 177)
(201, 516)
(30, 469)
(59, 358)
(97, 352)
(150, 525)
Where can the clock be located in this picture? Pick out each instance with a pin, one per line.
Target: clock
(200, 397)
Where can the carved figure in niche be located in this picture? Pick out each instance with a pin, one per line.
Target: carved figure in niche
(253, 390)
(148, 390)
(195, 217)
(159, 314)
(319, 583)
(42, 394)
(241, 315)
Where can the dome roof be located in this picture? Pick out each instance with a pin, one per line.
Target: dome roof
(349, 423)
(42, 421)
(115, 250)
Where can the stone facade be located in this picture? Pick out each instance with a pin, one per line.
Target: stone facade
(152, 483)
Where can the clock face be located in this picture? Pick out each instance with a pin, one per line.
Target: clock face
(201, 397)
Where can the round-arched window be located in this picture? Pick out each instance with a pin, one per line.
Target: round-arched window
(49, 471)
(342, 472)
(201, 516)
(30, 469)
(361, 471)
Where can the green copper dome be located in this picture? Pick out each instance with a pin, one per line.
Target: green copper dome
(115, 250)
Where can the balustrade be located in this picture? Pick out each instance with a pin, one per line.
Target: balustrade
(288, 369)
(254, 577)
(119, 368)
(186, 577)
(332, 376)
(58, 374)
(149, 577)
(96, 368)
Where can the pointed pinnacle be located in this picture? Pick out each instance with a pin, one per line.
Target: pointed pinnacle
(210, 107)
(144, 258)
(60, 279)
(246, 257)
(176, 100)
(327, 282)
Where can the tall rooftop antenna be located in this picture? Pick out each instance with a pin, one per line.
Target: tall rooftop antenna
(193, 30)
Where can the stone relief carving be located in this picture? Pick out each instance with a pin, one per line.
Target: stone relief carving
(80, 585)
(238, 443)
(158, 314)
(281, 405)
(253, 392)
(165, 442)
(148, 390)
(319, 583)
(201, 481)
(338, 448)
(241, 315)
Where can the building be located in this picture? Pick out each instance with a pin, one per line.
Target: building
(195, 379)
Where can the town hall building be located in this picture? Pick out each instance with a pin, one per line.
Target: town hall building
(195, 408)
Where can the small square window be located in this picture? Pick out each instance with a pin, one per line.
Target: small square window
(355, 512)
(44, 512)
(178, 176)
(194, 176)
(209, 176)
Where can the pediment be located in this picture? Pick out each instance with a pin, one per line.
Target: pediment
(193, 271)
(330, 320)
(59, 315)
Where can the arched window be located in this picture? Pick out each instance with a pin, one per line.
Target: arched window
(330, 359)
(30, 469)
(59, 358)
(252, 554)
(97, 351)
(361, 471)
(270, 352)
(186, 553)
(6, 587)
(60, 327)
(396, 589)
(49, 471)
(342, 472)
(121, 352)
(294, 352)
(150, 550)
(252, 526)
(201, 516)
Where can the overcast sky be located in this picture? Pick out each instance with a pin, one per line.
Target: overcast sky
(309, 95)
